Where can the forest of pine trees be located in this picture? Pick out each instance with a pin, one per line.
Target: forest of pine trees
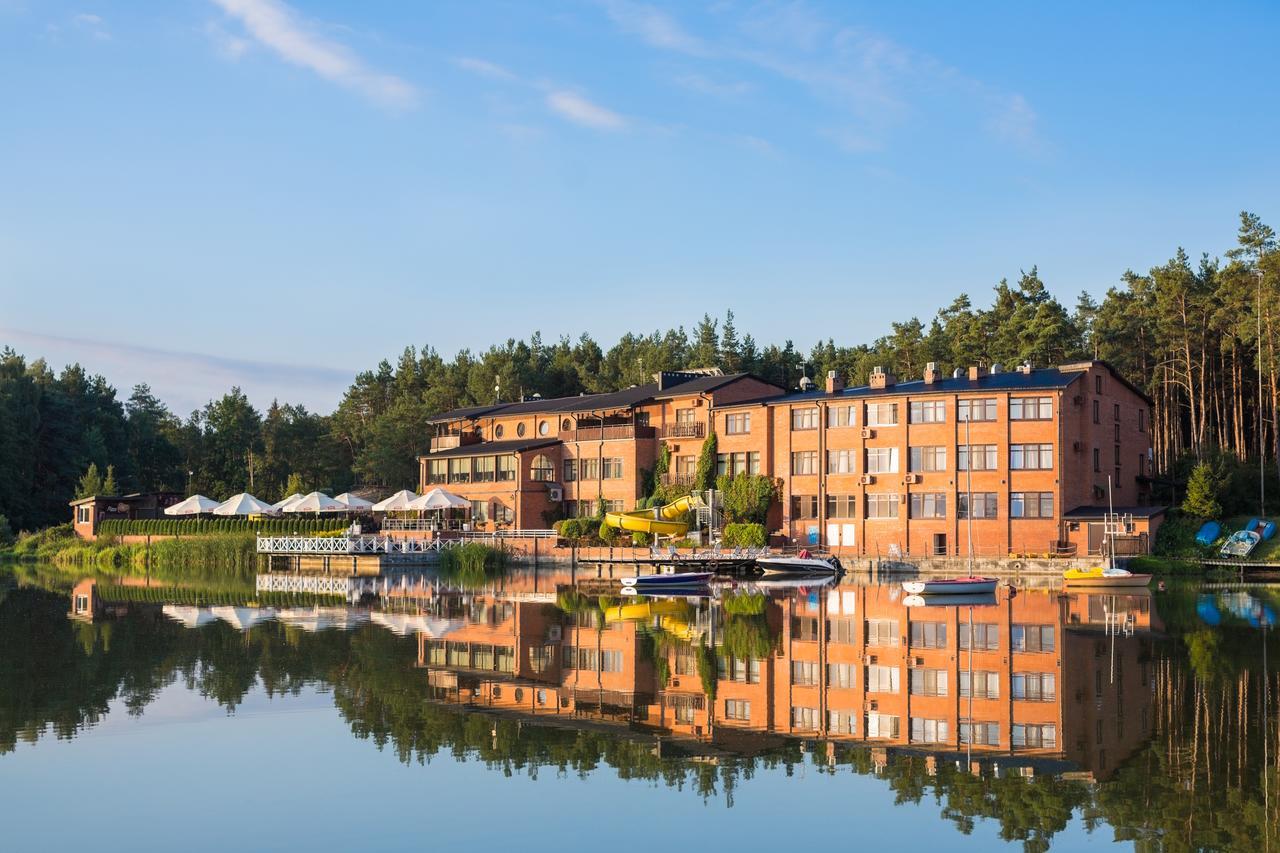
(1187, 331)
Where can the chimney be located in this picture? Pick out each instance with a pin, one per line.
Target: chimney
(931, 373)
(835, 382)
(881, 380)
(976, 372)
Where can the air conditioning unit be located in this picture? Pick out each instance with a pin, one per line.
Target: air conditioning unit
(872, 660)
(555, 494)
(919, 661)
(868, 432)
(554, 633)
(873, 705)
(910, 479)
(867, 479)
(697, 401)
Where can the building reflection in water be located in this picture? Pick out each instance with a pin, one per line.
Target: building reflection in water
(1034, 680)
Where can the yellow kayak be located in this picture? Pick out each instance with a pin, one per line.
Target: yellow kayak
(1102, 576)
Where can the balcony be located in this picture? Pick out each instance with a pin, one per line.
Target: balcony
(609, 432)
(688, 429)
(452, 440)
(675, 478)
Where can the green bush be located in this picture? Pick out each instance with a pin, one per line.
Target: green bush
(6, 533)
(747, 497)
(207, 526)
(744, 536)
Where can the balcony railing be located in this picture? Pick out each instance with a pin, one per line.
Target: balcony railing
(454, 439)
(674, 478)
(683, 430)
(609, 432)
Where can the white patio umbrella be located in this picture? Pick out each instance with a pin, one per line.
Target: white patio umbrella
(354, 502)
(244, 504)
(397, 502)
(438, 498)
(316, 502)
(321, 618)
(191, 617)
(244, 618)
(194, 505)
(293, 498)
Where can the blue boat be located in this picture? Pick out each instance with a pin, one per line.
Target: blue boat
(1209, 533)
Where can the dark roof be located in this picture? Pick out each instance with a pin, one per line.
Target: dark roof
(1101, 511)
(624, 399)
(490, 448)
(132, 497)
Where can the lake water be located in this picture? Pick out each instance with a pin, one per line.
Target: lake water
(526, 711)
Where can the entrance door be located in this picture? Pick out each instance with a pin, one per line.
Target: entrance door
(1097, 535)
(939, 544)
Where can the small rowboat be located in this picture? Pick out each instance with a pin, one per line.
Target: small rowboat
(952, 586)
(1103, 577)
(664, 580)
(987, 600)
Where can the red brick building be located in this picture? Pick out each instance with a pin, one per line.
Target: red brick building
(883, 469)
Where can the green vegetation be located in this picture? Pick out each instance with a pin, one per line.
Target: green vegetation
(189, 560)
(744, 535)
(705, 474)
(1204, 487)
(746, 498)
(473, 564)
(205, 526)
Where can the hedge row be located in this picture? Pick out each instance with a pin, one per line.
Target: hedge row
(744, 536)
(206, 526)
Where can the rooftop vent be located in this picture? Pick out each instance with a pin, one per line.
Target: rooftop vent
(958, 373)
(997, 368)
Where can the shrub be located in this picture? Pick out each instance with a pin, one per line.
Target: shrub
(705, 474)
(747, 497)
(1204, 489)
(6, 533)
(744, 536)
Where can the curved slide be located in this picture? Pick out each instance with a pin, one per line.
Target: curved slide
(658, 520)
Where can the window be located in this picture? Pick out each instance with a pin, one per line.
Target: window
(613, 468)
(841, 506)
(1115, 412)
(843, 631)
(928, 682)
(82, 513)
(804, 506)
(928, 731)
(1031, 505)
(976, 410)
(520, 430)
(1030, 457)
(1097, 410)
(544, 427)
(842, 722)
(1042, 736)
(541, 469)
(1142, 420)
(882, 460)
(570, 470)
(840, 416)
(589, 469)
(804, 719)
(459, 470)
(882, 725)
(882, 679)
(437, 471)
(686, 467)
(684, 416)
(1097, 384)
(804, 673)
(1097, 459)
(1033, 686)
(733, 464)
(882, 414)
(742, 670)
(984, 505)
(502, 513)
(804, 418)
(928, 635)
(738, 423)
(983, 457)
(882, 632)
(928, 505)
(841, 674)
(1117, 433)
(1031, 638)
(610, 661)
(986, 636)
(506, 468)
(686, 659)
(927, 459)
(684, 713)
(737, 709)
(1117, 456)
(804, 628)
(483, 468)
(841, 461)
(804, 462)
(498, 430)
(614, 505)
(1031, 409)
(986, 734)
(882, 506)
(985, 684)
(479, 511)
(927, 412)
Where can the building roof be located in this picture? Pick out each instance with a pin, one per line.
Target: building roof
(133, 497)
(490, 448)
(673, 385)
(1090, 512)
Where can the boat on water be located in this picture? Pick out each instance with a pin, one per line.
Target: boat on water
(1103, 576)
(980, 600)
(666, 580)
(802, 563)
(951, 586)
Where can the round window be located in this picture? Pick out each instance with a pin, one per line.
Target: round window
(497, 692)
(564, 424)
(519, 695)
(497, 431)
(519, 429)
(543, 428)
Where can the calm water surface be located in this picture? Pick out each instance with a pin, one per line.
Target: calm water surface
(530, 711)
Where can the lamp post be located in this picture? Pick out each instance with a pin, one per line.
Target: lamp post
(1262, 452)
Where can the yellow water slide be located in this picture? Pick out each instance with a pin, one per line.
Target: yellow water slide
(658, 520)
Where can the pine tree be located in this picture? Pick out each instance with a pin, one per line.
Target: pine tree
(109, 486)
(91, 483)
(730, 348)
(1203, 487)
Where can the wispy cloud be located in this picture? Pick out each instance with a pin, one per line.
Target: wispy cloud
(577, 109)
(186, 380)
(278, 28)
(484, 68)
(92, 24)
(705, 85)
(654, 26)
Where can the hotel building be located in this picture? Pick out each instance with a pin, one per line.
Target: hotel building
(1023, 458)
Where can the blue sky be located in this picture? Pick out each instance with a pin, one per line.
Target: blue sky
(201, 192)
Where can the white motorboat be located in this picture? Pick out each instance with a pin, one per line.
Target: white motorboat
(798, 564)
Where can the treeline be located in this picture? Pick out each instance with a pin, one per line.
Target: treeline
(1185, 331)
